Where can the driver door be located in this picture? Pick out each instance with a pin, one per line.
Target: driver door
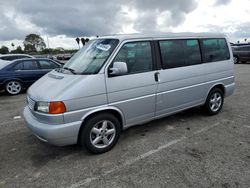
(135, 92)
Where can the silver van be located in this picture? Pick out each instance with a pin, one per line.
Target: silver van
(122, 80)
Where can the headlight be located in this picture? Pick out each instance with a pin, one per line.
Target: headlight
(42, 107)
(50, 107)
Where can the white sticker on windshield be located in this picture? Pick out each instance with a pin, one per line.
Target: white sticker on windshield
(103, 47)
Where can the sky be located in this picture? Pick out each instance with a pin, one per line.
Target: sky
(60, 22)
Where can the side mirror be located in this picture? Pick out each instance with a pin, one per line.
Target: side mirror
(118, 69)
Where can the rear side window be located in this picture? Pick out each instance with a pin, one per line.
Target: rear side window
(179, 53)
(30, 65)
(215, 50)
(19, 66)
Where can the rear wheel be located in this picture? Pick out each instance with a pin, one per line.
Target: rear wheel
(13, 87)
(214, 102)
(100, 133)
(236, 59)
(243, 62)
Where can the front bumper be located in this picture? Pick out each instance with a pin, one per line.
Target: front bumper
(59, 135)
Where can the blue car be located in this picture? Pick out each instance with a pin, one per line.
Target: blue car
(17, 75)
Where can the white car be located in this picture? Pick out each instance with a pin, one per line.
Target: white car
(10, 57)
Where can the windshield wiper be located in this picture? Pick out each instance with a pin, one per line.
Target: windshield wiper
(69, 69)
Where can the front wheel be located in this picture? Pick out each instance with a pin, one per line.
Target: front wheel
(13, 87)
(100, 133)
(214, 102)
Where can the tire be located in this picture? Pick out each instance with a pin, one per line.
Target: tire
(214, 102)
(243, 62)
(100, 133)
(13, 87)
(236, 60)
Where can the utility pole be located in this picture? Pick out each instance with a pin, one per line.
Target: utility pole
(47, 41)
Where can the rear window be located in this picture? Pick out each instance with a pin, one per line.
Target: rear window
(8, 58)
(215, 50)
(14, 57)
(245, 48)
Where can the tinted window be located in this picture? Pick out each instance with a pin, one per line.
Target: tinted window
(8, 58)
(19, 66)
(178, 53)
(215, 50)
(22, 56)
(244, 48)
(30, 65)
(137, 55)
(14, 57)
(47, 65)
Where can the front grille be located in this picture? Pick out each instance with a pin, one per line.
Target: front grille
(31, 103)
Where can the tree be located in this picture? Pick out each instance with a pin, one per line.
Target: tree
(33, 43)
(47, 51)
(78, 42)
(84, 41)
(4, 50)
(18, 50)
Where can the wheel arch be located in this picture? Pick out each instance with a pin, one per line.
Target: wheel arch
(12, 79)
(112, 110)
(219, 86)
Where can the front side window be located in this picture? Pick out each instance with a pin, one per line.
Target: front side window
(215, 50)
(137, 56)
(47, 64)
(92, 56)
(179, 53)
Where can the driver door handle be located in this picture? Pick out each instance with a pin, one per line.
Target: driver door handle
(157, 76)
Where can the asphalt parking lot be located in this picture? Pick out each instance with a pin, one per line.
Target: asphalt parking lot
(188, 149)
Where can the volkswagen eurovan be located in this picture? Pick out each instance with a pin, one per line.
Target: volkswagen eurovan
(122, 80)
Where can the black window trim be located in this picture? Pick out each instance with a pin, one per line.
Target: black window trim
(159, 50)
(153, 54)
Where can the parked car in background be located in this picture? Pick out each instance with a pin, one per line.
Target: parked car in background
(17, 75)
(11, 57)
(241, 53)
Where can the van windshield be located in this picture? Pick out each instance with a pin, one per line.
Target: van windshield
(91, 57)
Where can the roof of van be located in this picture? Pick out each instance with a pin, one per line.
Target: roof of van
(163, 35)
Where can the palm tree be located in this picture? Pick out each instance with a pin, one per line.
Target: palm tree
(83, 41)
(78, 42)
(13, 45)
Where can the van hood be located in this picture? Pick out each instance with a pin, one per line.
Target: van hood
(56, 86)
